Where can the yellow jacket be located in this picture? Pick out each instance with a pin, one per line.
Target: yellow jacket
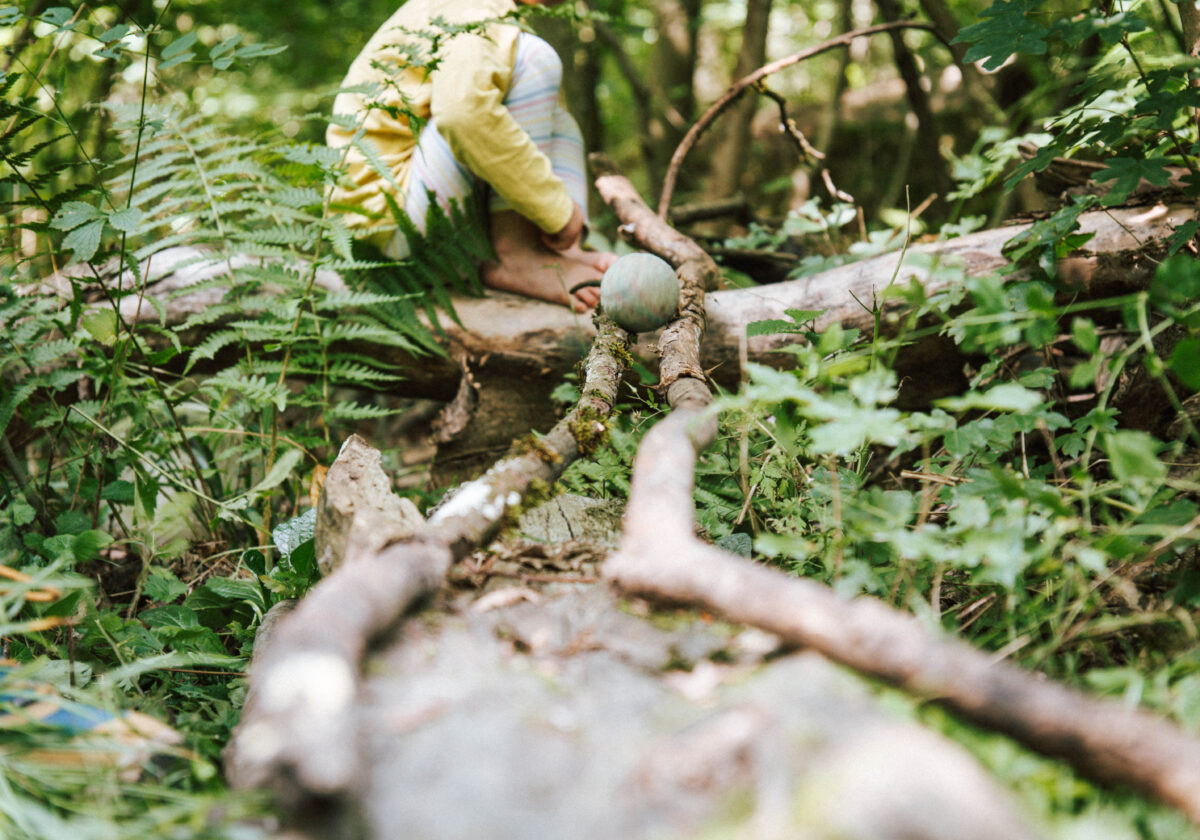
(465, 92)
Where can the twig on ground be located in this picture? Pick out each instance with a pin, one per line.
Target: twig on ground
(661, 558)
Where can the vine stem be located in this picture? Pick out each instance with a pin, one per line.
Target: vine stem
(739, 87)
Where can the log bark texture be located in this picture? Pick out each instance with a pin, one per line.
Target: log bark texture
(505, 337)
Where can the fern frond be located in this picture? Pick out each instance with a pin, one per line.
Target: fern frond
(356, 411)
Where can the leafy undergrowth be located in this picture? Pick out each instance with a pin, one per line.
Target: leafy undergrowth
(1019, 515)
(145, 472)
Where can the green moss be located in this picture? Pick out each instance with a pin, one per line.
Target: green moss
(532, 444)
(589, 427)
(537, 492)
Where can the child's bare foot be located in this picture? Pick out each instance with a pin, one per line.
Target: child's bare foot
(527, 267)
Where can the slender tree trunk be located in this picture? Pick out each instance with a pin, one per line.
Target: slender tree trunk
(674, 63)
(927, 133)
(732, 143)
(977, 89)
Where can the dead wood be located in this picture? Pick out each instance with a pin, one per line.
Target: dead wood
(298, 729)
(661, 558)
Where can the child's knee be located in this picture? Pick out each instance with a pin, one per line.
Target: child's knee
(536, 58)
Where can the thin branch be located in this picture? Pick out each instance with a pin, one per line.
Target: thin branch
(738, 87)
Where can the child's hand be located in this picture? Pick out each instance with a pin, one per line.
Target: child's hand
(569, 236)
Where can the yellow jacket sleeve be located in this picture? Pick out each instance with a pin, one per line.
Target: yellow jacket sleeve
(469, 86)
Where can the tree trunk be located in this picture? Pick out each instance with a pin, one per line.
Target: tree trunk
(731, 145)
(928, 136)
(674, 64)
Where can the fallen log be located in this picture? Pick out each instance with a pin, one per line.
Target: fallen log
(505, 336)
(661, 558)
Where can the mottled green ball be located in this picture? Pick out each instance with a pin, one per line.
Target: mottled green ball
(640, 292)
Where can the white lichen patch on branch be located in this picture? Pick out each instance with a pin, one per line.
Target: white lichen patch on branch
(322, 684)
(474, 497)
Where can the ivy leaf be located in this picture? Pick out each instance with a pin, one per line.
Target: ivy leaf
(1129, 173)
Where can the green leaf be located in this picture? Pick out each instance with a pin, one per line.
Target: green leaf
(171, 615)
(1182, 236)
(87, 545)
(1176, 282)
(180, 45)
(289, 535)
(118, 490)
(73, 214)
(127, 220)
(9, 15)
(163, 586)
(1007, 396)
(1185, 362)
(1083, 333)
(84, 240)
(1128, 173)
(116, 33)
(1134, 458)
(280, 470)
(1008, 27)
(57, 16)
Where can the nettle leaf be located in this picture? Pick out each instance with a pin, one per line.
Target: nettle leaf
(1129, 173)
